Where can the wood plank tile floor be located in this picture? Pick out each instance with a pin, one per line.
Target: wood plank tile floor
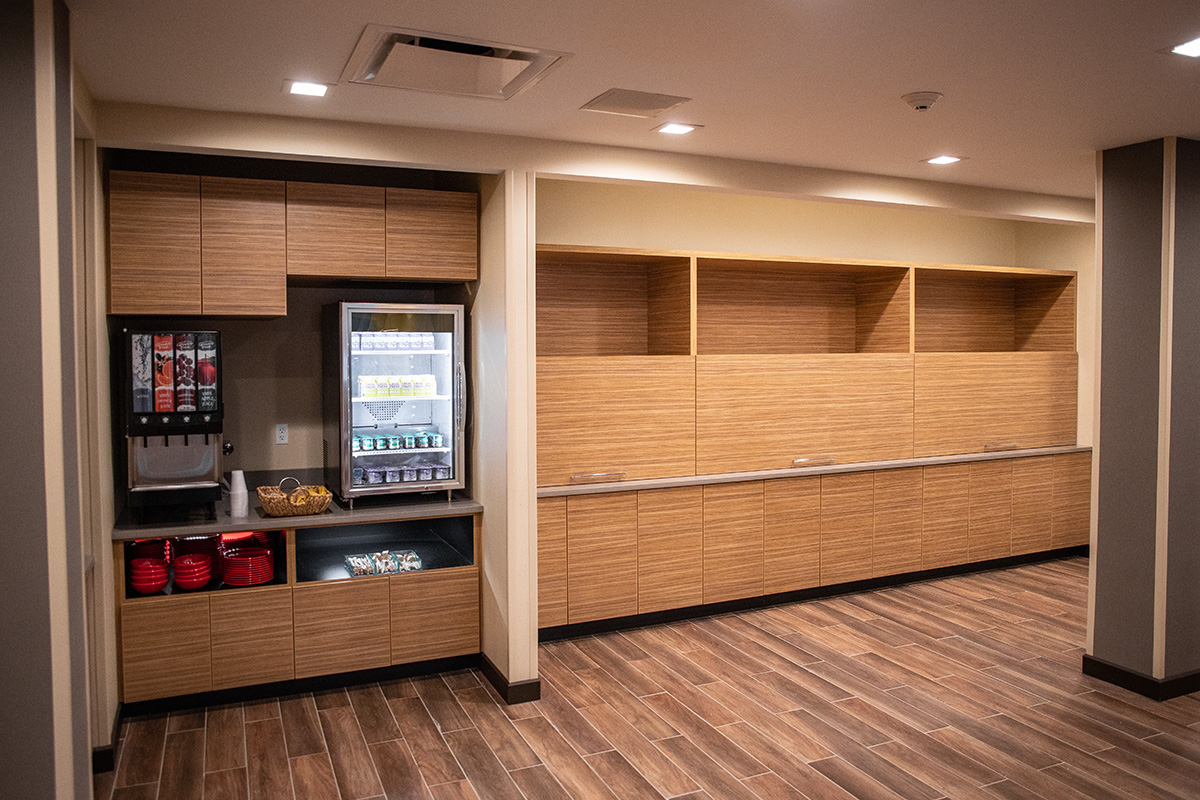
(966, 687)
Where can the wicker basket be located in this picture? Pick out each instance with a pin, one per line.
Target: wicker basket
(301, 500)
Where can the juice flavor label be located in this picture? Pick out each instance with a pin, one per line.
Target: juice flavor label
(164, 372)
(142, 367)
(206, 372)
(185, 372)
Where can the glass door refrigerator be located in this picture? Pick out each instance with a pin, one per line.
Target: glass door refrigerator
(394, 398)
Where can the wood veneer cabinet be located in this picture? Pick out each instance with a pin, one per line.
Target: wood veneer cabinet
(847, 527)
(153, 243)
(1071, 520)
(336, 230)
(432, 235)
(601, 556)
(165, 648)
(944, 499)
(670, 548)
(434, 614)
(897, 520)
(252, 640)
(615, 418)
(768, 411)
(243, 246)
(791, 534)
(342, 626)
(733, 541)
(990, 500)
(552, 561)
(1033, 503)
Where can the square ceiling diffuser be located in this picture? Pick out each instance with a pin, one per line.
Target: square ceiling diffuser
(431, 62)
(632, 103)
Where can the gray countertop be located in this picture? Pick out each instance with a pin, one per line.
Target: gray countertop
(193, 522)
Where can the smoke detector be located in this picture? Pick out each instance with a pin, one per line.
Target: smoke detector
(921, 101)
(401, 58)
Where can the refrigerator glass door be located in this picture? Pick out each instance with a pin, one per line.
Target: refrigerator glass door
(403, 398)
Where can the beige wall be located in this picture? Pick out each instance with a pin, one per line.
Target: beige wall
(682, 218)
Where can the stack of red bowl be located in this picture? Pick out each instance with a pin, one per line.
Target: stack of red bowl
(151, 548)
(236, 539)
(247, 566)
(148, 575)
(193, 571)
(201, 545)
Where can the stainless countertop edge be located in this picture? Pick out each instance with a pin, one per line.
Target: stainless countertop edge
(257, 519)
(799, 472)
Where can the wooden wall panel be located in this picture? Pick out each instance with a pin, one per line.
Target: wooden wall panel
(1045, 314)
(882, 321)
(847, 527)
(966, 403)
(733, 541)
(164, 647)
(335, 230)
(601, 556)
(592, 309)
(763, 412)
(670, 548)
(243, 246)
(434, 614)
(605, 415)
(342, 626)
(964, 312)
(989, 527)
(552, 561)
(1072, 500)
(1032, 504)
(897, 538)
(432, 235)
(252, 637)
(153, 243)
(943, 521)
(791, 534)
(669, 305)
(765, 307)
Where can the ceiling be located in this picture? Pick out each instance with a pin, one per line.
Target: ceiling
(1032, 88)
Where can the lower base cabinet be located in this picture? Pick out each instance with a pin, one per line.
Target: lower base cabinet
(165, 648)
(434, 614)
(342, 626)
(252, 637)
(634, 552)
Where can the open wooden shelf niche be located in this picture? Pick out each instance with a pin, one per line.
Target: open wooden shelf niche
(989, 311)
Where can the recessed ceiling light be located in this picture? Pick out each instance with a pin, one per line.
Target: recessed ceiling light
(1190, 49)
(942, 160)
(309, 89)
(677, 128)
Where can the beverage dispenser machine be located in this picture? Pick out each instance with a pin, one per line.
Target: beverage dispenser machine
(171, 413)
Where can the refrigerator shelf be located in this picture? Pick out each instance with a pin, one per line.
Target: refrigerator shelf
(399, 398)
(401, 451)
(401, 352)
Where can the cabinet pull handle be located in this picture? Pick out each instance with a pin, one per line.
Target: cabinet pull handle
(805, 462)
(598, 475)
(1002, 446)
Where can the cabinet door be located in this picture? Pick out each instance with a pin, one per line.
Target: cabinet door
(989, 522)
(944, 497)
(766, 411)
(243, 246)
(1033, 504)
(620, 417)
(971, 402)
(335, 230)
(153, 243)
(897, 539)
(342, 626)
(252, 638)
(1072, 500)
(601, 556)
(733, 541)
(432, 235)
(791, 534)
(847, 527)
(670, 548)
(552, 561)
(164, 648)
(435, 614)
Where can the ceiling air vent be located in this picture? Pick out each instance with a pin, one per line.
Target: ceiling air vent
(432, 62)
(632, 103)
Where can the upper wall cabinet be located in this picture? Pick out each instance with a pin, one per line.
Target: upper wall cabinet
(154, 243)
(335, 230)
(243, 247)
(184, 244)
(432, 235)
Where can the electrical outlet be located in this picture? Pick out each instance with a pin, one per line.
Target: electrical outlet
(281, 433)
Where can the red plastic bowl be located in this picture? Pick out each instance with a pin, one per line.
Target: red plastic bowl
(149, 587)
(190, 583)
